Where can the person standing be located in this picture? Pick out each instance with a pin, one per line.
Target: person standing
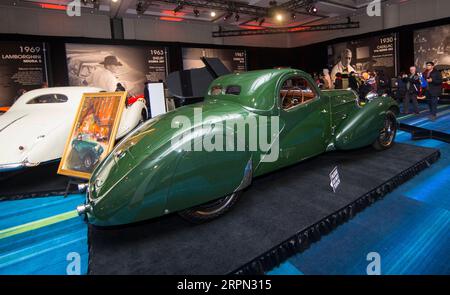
(327, 79)
(412, 89)
(105, 78)
(401, 87)
(434, 79)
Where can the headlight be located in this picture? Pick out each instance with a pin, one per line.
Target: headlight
(371, 96)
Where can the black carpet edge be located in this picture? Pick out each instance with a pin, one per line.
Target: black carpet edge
(303, 239)
(36, 195)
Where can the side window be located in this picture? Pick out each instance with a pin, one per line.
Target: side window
(296, 91)
(48, 98)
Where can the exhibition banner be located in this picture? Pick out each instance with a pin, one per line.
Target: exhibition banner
(106, 66)
(22, 68)
(234, 60)
(369, 54)
(432, 44)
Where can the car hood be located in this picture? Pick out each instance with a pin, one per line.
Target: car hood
(25, 129)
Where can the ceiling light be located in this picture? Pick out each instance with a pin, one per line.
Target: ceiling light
(227, 16)
(178, 8)
(293, 16)
(213, 14)
(114, 1)
(196, 12)
(279, 17)
(312, 9)
(140, 8)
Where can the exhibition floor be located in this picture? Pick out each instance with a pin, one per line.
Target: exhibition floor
(408, 225)
(408, 228)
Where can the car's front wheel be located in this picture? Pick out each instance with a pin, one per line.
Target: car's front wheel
(211, 210)
(386, 138)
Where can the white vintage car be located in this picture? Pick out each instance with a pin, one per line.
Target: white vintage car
(35, 129)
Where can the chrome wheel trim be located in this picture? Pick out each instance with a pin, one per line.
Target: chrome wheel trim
(387, 134)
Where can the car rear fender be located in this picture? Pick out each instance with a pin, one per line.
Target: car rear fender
(361, 128)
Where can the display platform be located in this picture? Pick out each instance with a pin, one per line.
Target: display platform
(279, 215)
(419, 133)
(40, 181)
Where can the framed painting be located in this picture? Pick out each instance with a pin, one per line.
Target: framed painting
(93, 133)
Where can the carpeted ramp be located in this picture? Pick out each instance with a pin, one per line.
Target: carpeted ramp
(279, 215)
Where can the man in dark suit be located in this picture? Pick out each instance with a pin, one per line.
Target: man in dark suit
(434, 79)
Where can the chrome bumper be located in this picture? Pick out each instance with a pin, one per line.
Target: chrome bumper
(84, 209)
(16, 166)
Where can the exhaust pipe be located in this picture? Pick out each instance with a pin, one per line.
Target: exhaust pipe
(83, 209)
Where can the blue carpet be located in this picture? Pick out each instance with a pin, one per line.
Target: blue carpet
(45, 250)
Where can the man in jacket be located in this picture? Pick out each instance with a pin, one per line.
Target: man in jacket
(412, 89)
(434, 79)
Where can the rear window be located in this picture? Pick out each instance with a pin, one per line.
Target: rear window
(233, 90)
(48, 98)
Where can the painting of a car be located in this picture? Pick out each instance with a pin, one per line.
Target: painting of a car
(148, 175)
(35, 129)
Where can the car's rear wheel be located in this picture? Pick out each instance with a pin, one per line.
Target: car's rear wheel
(387, 135)
(211, 210)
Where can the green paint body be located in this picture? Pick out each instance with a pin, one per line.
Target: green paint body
(147, 176)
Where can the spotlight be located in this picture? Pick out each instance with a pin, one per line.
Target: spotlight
(140, 8)
(279, 17)
(213, 14)
(178, 8)
(237, 17)
(227, 16)
(293, 16)
(196, 12)
(312, 9)
(114, 1)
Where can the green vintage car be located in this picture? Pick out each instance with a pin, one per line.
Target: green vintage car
(87, 154)
(162, 167)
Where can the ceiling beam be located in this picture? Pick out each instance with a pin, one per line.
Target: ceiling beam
(296, 29)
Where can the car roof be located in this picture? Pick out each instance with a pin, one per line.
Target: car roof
(257, 87)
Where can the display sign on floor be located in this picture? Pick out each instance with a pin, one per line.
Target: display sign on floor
(115, 67)
(22, 68)
(335, 179)
(234, 60)
(369, 54)
(93, 133)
